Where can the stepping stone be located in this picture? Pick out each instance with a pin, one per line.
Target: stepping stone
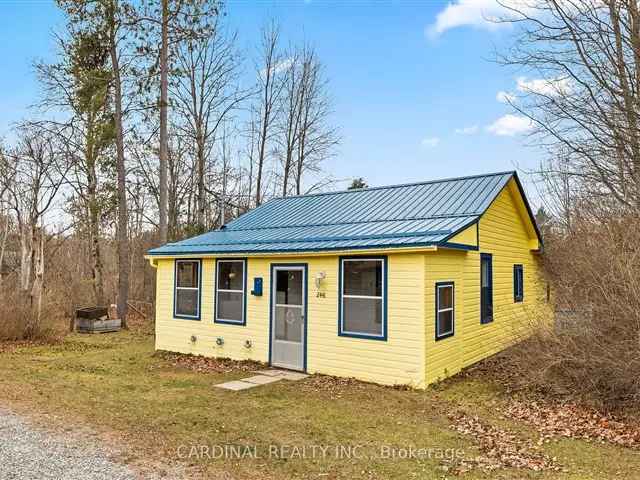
(261, 379)
(236, 385)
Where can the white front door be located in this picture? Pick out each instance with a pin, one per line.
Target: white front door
(288, 312)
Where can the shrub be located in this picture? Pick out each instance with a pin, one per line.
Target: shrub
(593, 349)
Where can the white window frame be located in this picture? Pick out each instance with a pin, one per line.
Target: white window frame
(348, 333)
(452, 309)
(224, 290)
(176, 314)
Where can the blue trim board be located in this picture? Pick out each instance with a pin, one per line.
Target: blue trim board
(385, 267)
(453, 315)
(305, 289)
(488, 257)
(244, 295)
(175, 284)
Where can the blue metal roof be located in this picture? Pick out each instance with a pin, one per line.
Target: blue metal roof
(417, 214)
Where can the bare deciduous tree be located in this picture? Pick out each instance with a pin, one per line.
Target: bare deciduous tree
(206, 91)
(269, 70)
(585, 59)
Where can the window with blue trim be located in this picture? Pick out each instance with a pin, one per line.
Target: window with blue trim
(486, 288)
(518, 283)
(187, 289)
(230, 291)
(362, 297)
(445, 310)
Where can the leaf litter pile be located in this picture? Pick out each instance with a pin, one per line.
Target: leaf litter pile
(573, 421)
(499, 448)
(199, 363)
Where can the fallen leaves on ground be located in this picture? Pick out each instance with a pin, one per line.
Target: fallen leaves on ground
(574, 421)
(9, 346)
(199, 363)
(499, 448)
(334, 386)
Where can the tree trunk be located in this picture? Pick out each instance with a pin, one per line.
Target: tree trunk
(94, 234)
(3, 244)
(201, 198)
(164, 139)
(123, 245)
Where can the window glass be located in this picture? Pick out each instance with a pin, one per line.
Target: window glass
(230, 291)
(187, 290)
(230, 306)
(486, 288)
(363, 277)
(445, 297)
(289, 324)
(187, 274)
(362, 315)
(444, 310)
(187, 302)
(445, 323)
(230, 275)
(518, 283)
(289, 284)
(362, 297)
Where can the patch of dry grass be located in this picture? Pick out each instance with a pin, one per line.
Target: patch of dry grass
(161, 406)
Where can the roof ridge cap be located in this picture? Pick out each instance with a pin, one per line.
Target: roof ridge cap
(398, 185)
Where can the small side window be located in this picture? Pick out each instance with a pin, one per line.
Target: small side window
(186, 298)
(486, 288)
(445, 310)
(518, 283)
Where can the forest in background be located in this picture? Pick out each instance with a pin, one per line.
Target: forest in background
(147, 131)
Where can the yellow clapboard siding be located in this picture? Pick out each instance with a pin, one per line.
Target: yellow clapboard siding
(506, 233)
(398, 360)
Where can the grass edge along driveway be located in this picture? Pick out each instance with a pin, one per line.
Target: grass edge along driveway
(164, 410)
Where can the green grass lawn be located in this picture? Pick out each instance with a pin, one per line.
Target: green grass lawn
(163, 412)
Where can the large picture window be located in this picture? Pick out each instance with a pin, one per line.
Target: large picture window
(518, 283)
(486, 288)
(445, 310)
(186, 298)
(231, 287)
(363, 297)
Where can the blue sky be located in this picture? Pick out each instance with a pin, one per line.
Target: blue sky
(413, 82)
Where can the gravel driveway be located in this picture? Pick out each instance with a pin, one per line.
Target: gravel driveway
(28, 452)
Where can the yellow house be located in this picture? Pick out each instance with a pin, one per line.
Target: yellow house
(404, 284)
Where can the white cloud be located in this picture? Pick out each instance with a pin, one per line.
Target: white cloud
(510, 125)
(472, 130)
(505, 97)
(550, 87)
(279, 67)
(475, 13)
(430, 142)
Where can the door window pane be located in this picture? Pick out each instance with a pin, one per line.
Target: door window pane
(288, 324)
(289, 287)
